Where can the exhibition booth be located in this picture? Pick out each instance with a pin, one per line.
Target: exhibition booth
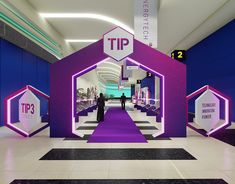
(172, 75)
(154, 83)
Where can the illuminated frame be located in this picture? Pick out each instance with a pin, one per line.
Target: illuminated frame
(227, 109)
(162, 131)
(34, 37)
(88, 16)
(7, 102)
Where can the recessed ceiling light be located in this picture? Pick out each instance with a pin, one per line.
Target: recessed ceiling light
(89, 16)
(108, 68)
(81, 40)
(111, 63)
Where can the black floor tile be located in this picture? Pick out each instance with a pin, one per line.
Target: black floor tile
(124, 181)
(118, 154)
(90, 122)
(86, 137)
(227, 136)
(147, 127)
(141, 122)
(150, 137)
(86, 128)
(147, 137)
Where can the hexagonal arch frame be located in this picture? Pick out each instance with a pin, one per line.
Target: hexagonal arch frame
(7, 106)
(64, 71)
(162, 96)
(227, 121)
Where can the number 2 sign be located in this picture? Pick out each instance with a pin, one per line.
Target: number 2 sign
(179, 55)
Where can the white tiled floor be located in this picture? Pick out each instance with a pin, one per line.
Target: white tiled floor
(19, 159)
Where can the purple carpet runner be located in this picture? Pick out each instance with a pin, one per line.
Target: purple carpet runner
(117, 127)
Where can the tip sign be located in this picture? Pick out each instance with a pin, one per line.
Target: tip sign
(118, 43)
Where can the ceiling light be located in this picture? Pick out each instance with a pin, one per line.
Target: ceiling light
(81, 41)
(89, 16)
(104, 72)
(108, 69)
(111, 63)
(109, 76)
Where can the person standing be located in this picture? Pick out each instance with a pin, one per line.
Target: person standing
(100, 105)
(123, 101)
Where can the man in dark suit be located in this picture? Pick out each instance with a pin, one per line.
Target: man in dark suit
(123, 101)
(100, 105)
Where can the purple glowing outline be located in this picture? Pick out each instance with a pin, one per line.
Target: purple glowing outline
(73, 105)
(220, 95)
(94, 65)
(226, 122)
(162, 131)
(8, 110)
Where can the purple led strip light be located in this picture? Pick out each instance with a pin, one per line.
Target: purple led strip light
(74, 85)
(227, 111)
(162, 94)
(93, 67)
(7, 106)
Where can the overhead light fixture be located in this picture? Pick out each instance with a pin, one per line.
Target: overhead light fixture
(109, 76)
(108, 69)
(88, 16)
(111, 63)
(81, 41)
(109, 73)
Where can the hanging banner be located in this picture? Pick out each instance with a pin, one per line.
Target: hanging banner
(126, 74)
(145, 21)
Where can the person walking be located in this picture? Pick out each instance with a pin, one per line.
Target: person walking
(100, 105)
(123, 101)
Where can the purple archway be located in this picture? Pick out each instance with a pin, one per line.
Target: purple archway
(63, 72)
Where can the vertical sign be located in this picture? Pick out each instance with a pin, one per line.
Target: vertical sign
(145, 21)
(125, 72)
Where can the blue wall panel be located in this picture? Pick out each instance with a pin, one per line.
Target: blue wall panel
(43, 74)
(150, 83)
(211, 62)
(29, 69)
(17, 69)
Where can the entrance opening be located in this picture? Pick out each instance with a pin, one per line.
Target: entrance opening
(144, 108)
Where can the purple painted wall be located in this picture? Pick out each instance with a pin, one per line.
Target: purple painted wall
(61, 85)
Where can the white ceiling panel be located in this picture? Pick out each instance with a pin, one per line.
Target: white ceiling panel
(178, 19)
(81, 28)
